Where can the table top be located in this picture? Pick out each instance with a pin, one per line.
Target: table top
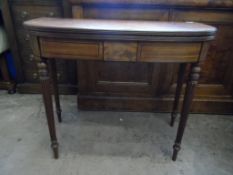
(129, 27)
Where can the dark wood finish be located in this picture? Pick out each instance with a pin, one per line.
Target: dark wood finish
(47, 97)
(97, 97)
(94, 12)
(15, 12)
(189, 93)
(5, 80)
(180, 80)
(195, 3)
(53, 77)
(124, 27)
(44, 30)
(202, 16)
(82, 49)
(214, 93)
(120, 51)
(162, 52)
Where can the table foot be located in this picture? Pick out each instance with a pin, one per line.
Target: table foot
(54, 146)
(189, 93)
(48, 104)
(173, 118)
(176, 149)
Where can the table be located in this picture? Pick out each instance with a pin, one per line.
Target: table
(185, 43)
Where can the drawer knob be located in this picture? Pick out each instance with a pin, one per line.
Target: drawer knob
(35, 76)
(27, 37)
(51, 14)
(24, 14)
(58, 76)
(31, 57)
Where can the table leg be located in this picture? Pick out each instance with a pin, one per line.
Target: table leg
(53, 77)
(48, 103)
(189, 92)
(179, 85)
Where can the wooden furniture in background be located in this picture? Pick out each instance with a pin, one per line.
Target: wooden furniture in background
(117, 40)
(5, 81)
(129, 86)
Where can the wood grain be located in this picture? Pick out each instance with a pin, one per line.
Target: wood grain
(54, 48)
(120, 51)
(202, 16)
(145, 28)
(169, 52)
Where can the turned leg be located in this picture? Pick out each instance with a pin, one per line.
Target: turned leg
(48, 103)
(189, 92)
(53, 77)
(179, 85)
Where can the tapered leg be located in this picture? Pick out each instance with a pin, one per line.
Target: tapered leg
(191, 83)
(53, 77)
(179, 85)
(48, 103)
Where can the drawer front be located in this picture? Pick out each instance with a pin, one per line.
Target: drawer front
(73, 49)
(202, 16)
(168, 52)
(22, 13)
(120, 51)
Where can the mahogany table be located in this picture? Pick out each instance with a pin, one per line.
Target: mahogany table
(185, 43)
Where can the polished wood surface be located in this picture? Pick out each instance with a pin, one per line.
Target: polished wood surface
(71, 48)
(166, 46)
(121, 27)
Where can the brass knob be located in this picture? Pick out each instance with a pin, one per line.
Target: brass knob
(35, 76)
(58, 76)
(24, 14)
(31, 57)
(51, 14)
(27, 37)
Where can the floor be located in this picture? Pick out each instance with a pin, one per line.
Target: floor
(109, 143)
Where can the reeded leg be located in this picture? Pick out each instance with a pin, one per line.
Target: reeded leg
(53, 77)
(192, 81)
(179, 85)
(48, 103)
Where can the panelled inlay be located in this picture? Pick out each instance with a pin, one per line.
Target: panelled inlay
(60, 48)
(168, 52)
(120, 51)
